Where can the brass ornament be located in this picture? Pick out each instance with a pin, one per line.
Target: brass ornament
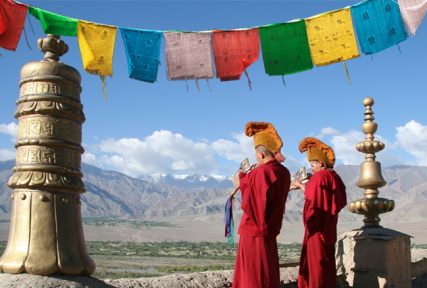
(370, 173)
(46, 232)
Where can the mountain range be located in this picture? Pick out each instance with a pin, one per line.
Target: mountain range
(113, 194)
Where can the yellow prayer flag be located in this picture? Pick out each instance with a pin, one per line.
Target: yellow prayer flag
(331, 37)
(96, 42)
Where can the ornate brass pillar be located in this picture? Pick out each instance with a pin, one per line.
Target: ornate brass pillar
(370, 173)
(46, 234)
(373, 256)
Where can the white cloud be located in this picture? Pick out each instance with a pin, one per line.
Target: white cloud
(7, 154)
(165, 152)
(344, 145)
(412, 137)
(235, 151)
(89, 158)
(10, 129)
(161, 152)
(328, 131)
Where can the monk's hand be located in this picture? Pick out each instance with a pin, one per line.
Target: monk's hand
(253, 166)
(233, 193)
(296, 185)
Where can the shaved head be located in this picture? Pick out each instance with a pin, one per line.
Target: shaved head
(262, 149)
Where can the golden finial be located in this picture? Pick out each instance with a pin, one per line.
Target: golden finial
(52, 47)
(370, 173)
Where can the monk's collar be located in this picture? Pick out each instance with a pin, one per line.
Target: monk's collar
(269, 161)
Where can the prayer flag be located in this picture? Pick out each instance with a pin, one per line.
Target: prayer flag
(188, 55)
(54, 23)
(143, 53)
(12, 19)
(96, 42)
(2, 22)
(285, 48)
(229, 221)
(413, 12)
(234, 51)
(331, 37)
(378, 25)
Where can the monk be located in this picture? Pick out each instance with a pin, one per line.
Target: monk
(325, 196)
(264, 190)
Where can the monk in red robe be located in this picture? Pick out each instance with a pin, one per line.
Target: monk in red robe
(325, 196)
(264, 190)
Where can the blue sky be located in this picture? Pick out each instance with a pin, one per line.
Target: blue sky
(161, 128)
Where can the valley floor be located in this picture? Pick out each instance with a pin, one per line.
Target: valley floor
(211, 228)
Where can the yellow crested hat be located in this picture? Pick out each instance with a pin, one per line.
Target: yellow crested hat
(317, 150)
(264, 134)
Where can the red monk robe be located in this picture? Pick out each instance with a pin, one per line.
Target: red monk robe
(325, 196)
(264, 191)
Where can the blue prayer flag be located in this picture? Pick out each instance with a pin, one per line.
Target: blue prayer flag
(378, 24)
(229, 221)
(143, 53)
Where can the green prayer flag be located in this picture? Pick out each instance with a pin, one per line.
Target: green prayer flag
(285, 48)
(54, 23)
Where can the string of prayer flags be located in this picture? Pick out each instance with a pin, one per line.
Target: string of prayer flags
(12, 19)
(54, 23)
(331, 37)
(234, 51)
(96, 42)
(285, 48)
(378, 25)
(188, 55)
(143, 53)
(412, 12)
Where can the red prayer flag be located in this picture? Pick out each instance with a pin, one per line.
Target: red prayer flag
(2, 23)
(12, 18)
(234, 51)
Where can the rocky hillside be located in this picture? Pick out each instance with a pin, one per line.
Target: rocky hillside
(112, 194)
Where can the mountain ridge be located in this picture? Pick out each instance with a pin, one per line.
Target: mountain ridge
(116, 195)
